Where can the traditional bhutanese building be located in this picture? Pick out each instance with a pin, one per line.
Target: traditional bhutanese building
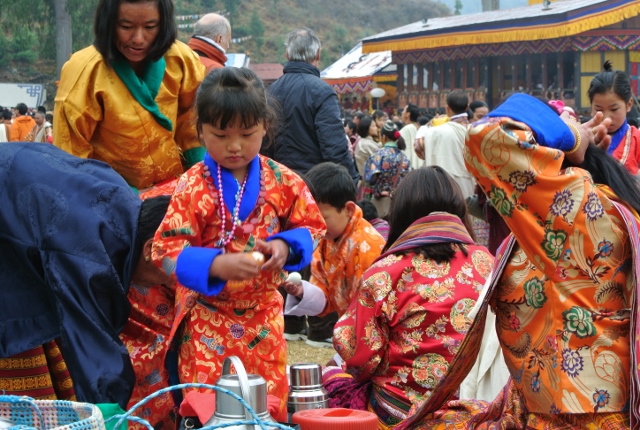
(551, 50)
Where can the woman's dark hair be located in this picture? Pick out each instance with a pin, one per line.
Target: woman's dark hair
(378, 114)
(610, 80)
(390, 130)
(231, 94)
(363, 126)
(608, 171)
(106, 21)
(477, 104)
(152, 212)
(421, 192)
(331, 184)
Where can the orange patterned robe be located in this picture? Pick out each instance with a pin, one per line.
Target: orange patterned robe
(244, 319)
(338, 265)
(563, 302)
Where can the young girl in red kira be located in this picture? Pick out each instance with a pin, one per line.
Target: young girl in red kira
(225, 209)
(610, 93)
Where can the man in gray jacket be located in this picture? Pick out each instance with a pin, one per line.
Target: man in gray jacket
(311, 131)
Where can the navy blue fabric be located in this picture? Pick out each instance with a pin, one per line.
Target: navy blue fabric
(551, 131)
(67, 252)
(312, 129)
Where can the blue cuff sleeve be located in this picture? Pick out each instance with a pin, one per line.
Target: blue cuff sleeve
(192, 270)
(550, 129)
(300, 247)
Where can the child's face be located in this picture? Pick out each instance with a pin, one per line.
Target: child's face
(336, 220)
(611, 106)
(234, 147)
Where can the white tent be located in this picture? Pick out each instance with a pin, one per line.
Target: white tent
(356, 72)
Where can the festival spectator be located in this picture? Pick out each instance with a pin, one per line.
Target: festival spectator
(367, 145)
(385, 169)
(22, 124)
(74, 238)
(230, 204)
(610, 93)
(350, 129)
(364, 104)
(5, 125)
(443, 144)
(370, 213)
(41, 132)
(410, 115)
(477, 110)
(346, 251)
(573, 217)
(380, 118)
(312, 131)
(407, 321)
(211, 39)
(127, 100)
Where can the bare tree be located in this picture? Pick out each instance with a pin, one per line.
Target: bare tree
(63, 34)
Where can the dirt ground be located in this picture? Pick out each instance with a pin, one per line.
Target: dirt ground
(300, 352)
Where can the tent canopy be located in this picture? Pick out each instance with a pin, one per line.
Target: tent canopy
(355, 72)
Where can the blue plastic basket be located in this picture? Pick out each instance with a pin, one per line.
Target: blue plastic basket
(29, 414)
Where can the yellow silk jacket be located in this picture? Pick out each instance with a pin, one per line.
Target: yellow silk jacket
(97, 117)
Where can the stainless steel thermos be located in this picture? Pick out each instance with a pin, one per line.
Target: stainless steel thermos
(252, 389)
(306, 390)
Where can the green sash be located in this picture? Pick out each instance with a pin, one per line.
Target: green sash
(145, 89)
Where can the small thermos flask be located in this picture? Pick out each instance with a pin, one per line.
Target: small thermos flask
(306, 390)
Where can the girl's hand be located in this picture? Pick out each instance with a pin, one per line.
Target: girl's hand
(237, 266)
(276, 251)
(592, 131)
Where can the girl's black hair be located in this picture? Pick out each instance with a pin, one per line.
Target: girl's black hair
(610, 80)
(106, 21)
(608, 171)
(389, 129)
(235, 94)
(421, 192)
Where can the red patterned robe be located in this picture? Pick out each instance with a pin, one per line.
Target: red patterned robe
(408, 319)
(244, 319)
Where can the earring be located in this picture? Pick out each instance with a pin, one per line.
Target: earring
(147, 258)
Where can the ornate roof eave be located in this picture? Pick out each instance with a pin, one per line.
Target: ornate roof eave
(563, 18)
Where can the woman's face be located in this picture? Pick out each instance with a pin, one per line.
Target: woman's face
(380, 121)
(479, 113)
(373, 129)
(137, 28)
(611, 106)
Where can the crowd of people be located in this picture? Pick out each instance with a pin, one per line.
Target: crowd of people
(154, 238)
(23, 124)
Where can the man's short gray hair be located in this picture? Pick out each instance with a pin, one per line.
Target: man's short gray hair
(302, 45)
(220, 27)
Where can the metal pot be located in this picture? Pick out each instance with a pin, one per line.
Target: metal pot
(252, 389)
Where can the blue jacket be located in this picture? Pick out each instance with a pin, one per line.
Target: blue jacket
(68, 229)
(312, 130)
